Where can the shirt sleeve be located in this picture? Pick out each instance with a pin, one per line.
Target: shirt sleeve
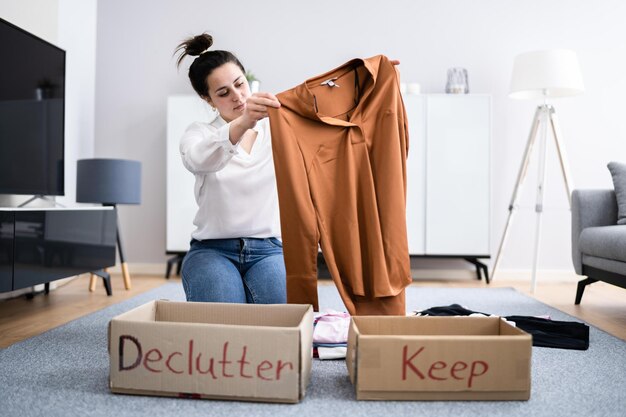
(205, 149)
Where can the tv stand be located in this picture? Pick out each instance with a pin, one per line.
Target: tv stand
(41, 197)
(40, 245)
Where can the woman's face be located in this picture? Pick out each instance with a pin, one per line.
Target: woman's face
(228, 91)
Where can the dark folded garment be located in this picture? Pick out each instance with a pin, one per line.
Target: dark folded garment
(545, 332)
(554, 334)
(451, 310)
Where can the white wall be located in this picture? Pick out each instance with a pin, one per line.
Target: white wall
(284, 42)
(38, 17)
(77, 35)
(71, 25)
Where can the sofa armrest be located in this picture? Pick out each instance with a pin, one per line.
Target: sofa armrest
(590, 208)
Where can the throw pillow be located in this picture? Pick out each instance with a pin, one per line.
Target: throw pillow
(618, 172)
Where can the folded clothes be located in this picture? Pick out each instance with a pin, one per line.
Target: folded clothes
(545, 332)
(330, 345)
(554, 334)
(330, 334)
(332, 353)
(331, 327)
(451, 310)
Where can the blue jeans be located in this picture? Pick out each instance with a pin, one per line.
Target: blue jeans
(245, 270)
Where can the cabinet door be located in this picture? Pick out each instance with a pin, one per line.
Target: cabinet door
(416, 173)
(53, 244)
(7, 234)
(457, 172)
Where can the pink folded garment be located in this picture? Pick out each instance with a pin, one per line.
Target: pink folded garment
(331, 327)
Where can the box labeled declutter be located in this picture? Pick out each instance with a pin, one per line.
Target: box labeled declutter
(438, 358)
(212, 350)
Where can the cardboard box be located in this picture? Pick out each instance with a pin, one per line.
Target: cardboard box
(212, 350)
(438, 358)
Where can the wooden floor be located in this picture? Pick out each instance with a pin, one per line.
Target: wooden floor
(603, 305)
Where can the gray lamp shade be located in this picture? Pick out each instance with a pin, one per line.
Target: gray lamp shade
(108, 181)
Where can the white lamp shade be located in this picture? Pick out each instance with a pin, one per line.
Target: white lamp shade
(541, 74)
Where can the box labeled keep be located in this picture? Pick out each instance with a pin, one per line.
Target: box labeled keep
(212, 350)
(438, 358)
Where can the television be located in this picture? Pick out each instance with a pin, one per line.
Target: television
(32, 109)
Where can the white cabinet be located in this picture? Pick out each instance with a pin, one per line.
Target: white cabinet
(416, 174)
(448, 181)
(448, 175)
(181, 207)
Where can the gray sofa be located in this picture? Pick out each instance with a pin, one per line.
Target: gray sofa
(598, 242)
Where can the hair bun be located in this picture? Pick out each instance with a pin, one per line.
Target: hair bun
(199, 44)
(193, 46)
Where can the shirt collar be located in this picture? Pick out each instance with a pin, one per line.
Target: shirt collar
(303, 102)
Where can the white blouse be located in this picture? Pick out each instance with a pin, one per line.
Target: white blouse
(235, 191)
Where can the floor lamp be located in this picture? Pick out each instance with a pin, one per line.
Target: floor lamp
(541, 75)
(109, 182)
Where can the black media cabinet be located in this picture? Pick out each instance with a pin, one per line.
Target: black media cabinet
(42, 245)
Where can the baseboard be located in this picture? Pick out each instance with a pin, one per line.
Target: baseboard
(158, 269)
(549, 275)
(546, 275)
(37, 288)
(543, 275)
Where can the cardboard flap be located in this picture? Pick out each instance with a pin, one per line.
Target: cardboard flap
(306, 349)
(435, 326)
(351, 352)
(284, 315)
(145, 312)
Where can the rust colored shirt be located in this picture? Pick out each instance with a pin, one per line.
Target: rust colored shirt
(340, 142)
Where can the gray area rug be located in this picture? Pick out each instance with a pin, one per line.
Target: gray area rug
(64, 372)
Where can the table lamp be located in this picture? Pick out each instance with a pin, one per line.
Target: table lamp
(109, 182)
(540, 75)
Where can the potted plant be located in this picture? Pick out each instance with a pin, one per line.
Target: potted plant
(253, 82)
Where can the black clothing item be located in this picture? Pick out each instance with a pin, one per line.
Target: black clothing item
(451, 310)
(553, 333)
(545, 333)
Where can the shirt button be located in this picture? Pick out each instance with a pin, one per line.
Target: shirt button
(231, 151)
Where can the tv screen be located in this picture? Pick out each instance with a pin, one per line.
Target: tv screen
(32, 106)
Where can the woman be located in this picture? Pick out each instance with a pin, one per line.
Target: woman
(235, 255)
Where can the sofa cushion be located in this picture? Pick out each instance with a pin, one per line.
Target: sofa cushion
(608, 242)
(618, 172)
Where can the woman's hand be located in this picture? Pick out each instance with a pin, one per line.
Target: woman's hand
(256, 107)
(255, 110)
(395, 64)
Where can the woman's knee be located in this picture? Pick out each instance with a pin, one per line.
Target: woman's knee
(266, 281)
(212, 278)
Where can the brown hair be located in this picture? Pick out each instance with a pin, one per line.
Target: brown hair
(205, 62)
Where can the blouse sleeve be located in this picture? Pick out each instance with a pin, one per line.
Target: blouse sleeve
(205, 149)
